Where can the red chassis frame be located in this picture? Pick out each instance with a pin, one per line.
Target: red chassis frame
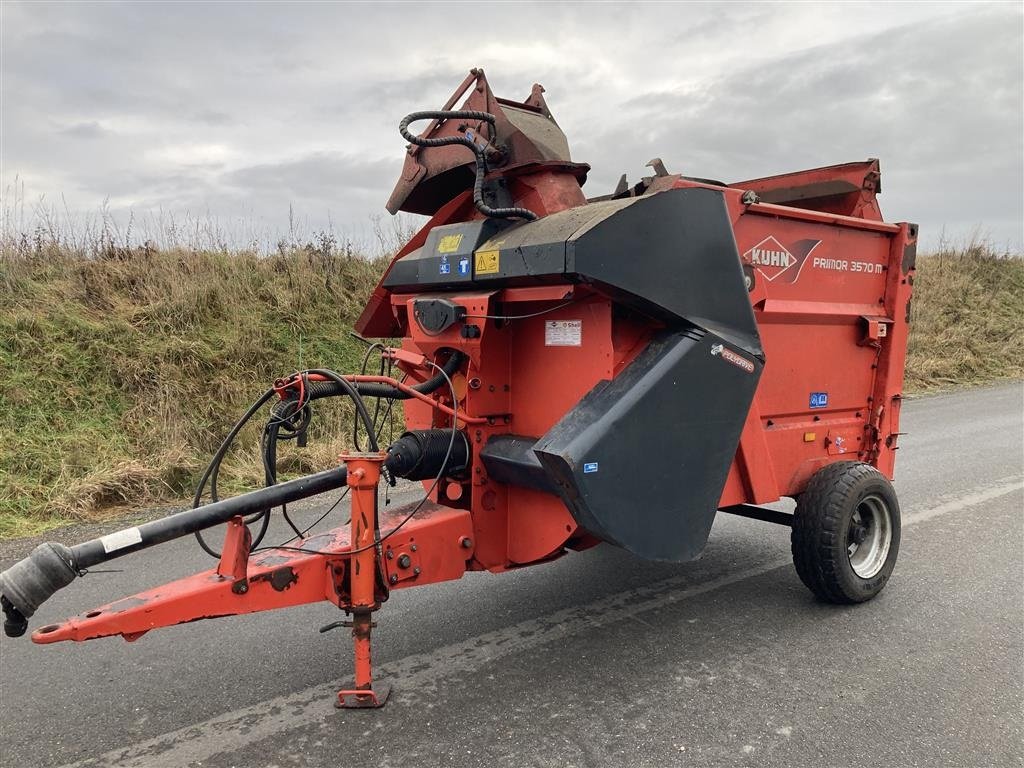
(831, 295)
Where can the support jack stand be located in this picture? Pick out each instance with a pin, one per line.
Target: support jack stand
(363, 476)
(371, 698)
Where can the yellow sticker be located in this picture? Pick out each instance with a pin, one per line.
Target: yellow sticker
(487, 262)
(449, 243)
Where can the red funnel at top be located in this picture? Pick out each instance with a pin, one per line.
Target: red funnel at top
(524, 136)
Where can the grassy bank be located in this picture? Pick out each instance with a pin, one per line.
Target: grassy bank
(122, 373)
(967, 319)
(122, 369)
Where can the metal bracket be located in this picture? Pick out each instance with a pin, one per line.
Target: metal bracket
(760, 513)
(234, 558)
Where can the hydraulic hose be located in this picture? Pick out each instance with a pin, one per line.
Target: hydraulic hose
(317, 389)
(481, 160)
(343, 387)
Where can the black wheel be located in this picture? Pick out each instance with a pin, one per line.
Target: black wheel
(846, 532)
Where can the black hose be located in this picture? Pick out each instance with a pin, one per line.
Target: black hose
(342, 387)
(481, 161)
(285, 408)
(213, 470)
(348, 388)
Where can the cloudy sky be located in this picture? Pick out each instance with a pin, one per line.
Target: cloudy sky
(238, 111)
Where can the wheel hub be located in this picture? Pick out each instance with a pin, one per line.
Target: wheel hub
(858, 533)
(869, 536)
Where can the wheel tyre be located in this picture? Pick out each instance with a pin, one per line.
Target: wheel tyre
(844, 502)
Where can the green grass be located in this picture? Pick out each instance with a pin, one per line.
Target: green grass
(122, 373)
(122, 368)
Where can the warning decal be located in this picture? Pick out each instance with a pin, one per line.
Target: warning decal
(563, 333)
(487, 262)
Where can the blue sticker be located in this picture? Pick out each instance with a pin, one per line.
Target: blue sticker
(819, 399)
(591, 467)
(464, 266)
(446, 268)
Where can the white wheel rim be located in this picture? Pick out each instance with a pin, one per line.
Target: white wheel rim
(869, 536)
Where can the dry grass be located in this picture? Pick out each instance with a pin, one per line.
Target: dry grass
(123, 370)
(123, 366)
(967, 319)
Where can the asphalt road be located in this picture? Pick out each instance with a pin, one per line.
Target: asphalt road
(598, 659)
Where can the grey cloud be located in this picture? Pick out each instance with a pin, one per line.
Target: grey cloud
(213, 117)
(247, 109)
(87, 130)
(945, 119)
(316, 175)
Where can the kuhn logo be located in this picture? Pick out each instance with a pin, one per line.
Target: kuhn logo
(772, 259)
(719, 350)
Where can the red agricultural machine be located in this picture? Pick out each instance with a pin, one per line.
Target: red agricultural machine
(573, 371)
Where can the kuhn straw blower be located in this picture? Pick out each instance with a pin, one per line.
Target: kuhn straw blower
(573, 371)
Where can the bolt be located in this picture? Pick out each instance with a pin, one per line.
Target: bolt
(394, 578)
(466, 542)
(391, 555)
(240, 588)
(416, 571)
(413, 547)
(404, 561)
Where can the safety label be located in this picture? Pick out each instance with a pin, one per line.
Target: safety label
(487, 262)
(563, 333)
(819, 400)
(590, 466)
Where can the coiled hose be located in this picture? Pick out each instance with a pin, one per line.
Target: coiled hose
(481, 162)
(339, 385)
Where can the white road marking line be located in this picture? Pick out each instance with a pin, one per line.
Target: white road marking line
(420, 673)
(995, 490)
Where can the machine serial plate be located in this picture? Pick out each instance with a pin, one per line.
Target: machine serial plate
(563, 333)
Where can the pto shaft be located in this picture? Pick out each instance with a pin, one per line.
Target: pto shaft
(26, 585)
(29, 583)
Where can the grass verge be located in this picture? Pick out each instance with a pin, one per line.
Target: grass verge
(967, 319)
(121, 373)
